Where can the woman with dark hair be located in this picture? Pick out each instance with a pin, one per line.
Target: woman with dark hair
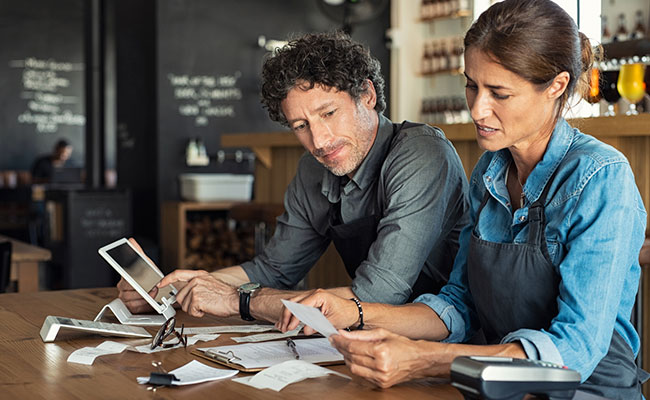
(548, 267)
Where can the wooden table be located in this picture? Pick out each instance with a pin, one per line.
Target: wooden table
(30, 368)
(24, 263)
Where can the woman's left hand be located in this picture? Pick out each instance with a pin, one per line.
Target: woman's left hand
(382, 357)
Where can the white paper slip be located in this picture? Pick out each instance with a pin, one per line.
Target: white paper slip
(227, 329)
(279, 376)
(263, 337)
(87, 355)
(262, 355)
(312, 317)
(194, 372)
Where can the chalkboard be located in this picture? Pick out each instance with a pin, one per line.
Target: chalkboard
(91, 219)
(41, 76)
(209, 71)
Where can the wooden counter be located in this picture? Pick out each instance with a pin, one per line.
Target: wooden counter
(24, 263)
(31, 369)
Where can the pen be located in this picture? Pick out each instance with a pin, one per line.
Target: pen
(292, 345)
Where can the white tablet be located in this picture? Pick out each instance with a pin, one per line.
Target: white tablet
(143, 275)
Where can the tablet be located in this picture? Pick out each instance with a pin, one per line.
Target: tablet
(141, 273)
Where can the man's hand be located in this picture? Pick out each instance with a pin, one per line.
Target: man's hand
(203, 293)
(341, 312)
(382, 357)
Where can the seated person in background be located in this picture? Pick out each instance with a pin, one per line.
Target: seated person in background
(43, 167)
(392, 197)
(548, 268)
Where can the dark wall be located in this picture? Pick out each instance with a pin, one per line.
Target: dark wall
(137, 148)
(41, 76)
(209, 65)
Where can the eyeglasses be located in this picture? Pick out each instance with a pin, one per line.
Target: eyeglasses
(166, 330)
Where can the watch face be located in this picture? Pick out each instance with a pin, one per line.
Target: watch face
(249, 287)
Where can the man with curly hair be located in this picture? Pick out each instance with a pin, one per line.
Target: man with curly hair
(391, 197)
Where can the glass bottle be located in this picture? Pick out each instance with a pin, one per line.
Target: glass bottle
(639, 28)
(459, 53)
(437, 8)
(423, 9)
(426, 59)
(453, 63)
(435, 58)
(621, 32)
(454, 7)
(445, 8)
(443, 61)
(606, 34)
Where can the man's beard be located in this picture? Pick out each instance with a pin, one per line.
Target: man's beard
(342, 167)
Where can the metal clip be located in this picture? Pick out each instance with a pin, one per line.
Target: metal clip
(226, 357)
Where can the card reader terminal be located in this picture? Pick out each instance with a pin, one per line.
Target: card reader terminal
(506, 378)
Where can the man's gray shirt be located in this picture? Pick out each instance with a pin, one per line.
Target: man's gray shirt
(412, 178)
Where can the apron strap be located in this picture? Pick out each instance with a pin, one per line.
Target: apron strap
(537, 219)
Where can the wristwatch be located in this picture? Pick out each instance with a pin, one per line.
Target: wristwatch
(245, 293)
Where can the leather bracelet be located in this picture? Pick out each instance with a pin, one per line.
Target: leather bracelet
(358, 303)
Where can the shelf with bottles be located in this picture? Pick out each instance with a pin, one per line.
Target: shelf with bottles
(444, 110)
(443, 56)
(625, 42)
(431, 10)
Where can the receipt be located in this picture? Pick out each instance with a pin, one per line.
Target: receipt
(279, 376)
(87, 355)
(311, 316)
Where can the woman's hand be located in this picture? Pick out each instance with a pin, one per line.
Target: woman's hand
(341, 312)
(385, 358)
(132, 299)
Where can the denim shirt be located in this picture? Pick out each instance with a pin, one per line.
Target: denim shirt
(595, 228)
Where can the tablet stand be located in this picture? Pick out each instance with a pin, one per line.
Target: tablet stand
(118, 308)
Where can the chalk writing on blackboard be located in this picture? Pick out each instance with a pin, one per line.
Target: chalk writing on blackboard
(98, 222)
(48, 93)
(203, 97)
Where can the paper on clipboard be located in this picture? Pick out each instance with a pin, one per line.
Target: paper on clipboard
(256, 356)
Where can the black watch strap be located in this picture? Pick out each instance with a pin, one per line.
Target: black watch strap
(244, 306)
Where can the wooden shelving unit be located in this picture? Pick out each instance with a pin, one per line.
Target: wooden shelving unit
(174, 227)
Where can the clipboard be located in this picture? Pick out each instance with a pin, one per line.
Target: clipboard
(227, 355)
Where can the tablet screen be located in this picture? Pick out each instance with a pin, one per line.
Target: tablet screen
(139, 270)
